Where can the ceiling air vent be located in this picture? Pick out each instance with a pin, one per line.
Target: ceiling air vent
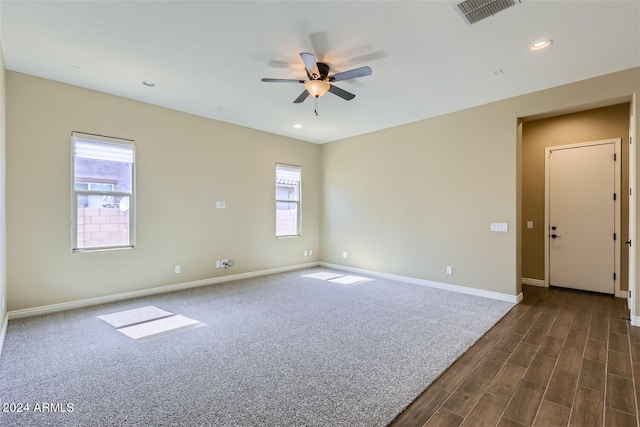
(473, 11)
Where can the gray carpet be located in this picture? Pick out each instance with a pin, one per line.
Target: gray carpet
(279, 350)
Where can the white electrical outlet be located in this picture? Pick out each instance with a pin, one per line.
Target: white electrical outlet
(529, 225)
(220, 205)
(344, 255)
(449, 269)
(306, 253)
(310, 252)
(177, 269)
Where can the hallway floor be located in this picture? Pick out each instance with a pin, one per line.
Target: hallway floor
(561, 357)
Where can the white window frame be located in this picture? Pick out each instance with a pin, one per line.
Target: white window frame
(298, 202)
(75, 193)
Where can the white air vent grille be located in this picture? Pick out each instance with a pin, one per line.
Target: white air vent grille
(473, 11)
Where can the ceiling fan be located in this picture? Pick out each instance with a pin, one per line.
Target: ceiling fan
(319, 82)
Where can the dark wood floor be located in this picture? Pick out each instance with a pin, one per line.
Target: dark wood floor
(559, 358)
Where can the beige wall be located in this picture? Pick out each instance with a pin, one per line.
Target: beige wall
(408, 200)
(413, 199)
(591, 125)
(185, 163)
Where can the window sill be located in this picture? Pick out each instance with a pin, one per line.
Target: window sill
(109, 249)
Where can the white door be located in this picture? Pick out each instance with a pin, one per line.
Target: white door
(582, 216)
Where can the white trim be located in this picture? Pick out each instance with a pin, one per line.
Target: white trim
(3, 331)
(622, 294)
(514, 299)
(533, 282)
(635, 320)
(53, 308)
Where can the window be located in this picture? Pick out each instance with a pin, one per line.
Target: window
(102, 192)
(288, 179)
(92, 201)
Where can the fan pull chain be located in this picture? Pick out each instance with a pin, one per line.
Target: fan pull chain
(316, 107)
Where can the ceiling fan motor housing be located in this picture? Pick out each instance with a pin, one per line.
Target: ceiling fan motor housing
(324, 71)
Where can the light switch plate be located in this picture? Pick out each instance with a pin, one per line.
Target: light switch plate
(499, 226)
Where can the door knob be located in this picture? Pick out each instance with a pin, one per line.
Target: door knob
(554, 227)
(553, 236)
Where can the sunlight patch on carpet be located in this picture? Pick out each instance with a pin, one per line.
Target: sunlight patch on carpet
(322, 275)
(160, 327)
(149, 322)
(137, 315)
(338, 278)
(350, 280)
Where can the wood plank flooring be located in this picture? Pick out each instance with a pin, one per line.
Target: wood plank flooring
(560, 358)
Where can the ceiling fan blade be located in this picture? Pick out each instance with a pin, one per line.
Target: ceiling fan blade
(282, 80)
(311, 65)
(347, 96)
(302, 97)
(351, 74)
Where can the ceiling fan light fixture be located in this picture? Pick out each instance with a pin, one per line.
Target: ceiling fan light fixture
(317, 88)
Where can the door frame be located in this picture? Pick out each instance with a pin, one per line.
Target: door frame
(618, 175)
(631, 294)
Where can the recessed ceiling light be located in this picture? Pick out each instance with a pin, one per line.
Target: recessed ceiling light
(297, 126)
(148, 83)
(541, 44)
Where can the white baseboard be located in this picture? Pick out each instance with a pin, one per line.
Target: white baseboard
(533, 282)
(635, 320)
(3, 331)
(53, 308)
(622, 294)
(514, 299)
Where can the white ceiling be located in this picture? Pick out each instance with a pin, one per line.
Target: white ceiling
(207, 57)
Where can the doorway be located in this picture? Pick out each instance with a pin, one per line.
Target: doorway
(537, 134)
(582, 216)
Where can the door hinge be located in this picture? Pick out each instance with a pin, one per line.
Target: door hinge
(614, 276)
(614, 197)
(615, 157)
(614, 236)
